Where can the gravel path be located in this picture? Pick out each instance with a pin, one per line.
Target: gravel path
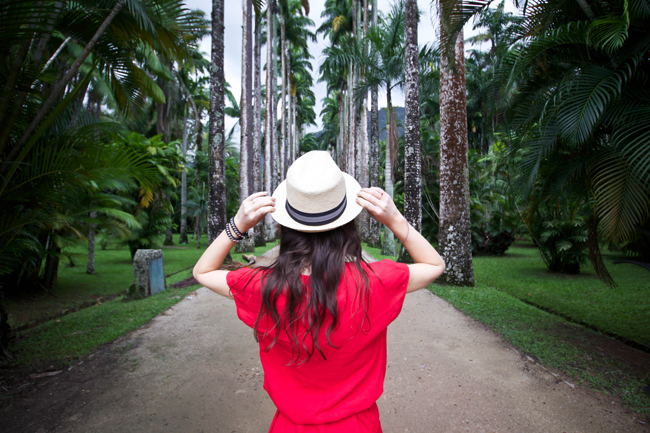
(196, 369)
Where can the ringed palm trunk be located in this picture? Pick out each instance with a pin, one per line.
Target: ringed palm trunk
(296, 137)
(412, 168)
(183, 229)
(283, 104)
(388, 245)
(90, 264)
(245, 122)
(374, 237)
(94, 107)
(217, 174)
(454, 235)
(342, 146)
(258, 230)
(270, 226)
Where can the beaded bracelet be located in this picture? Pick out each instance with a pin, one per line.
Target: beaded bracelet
(245, 235)
(230, 235)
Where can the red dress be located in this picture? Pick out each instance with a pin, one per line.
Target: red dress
(339, 393)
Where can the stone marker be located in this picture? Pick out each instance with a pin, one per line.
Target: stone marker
(148, 274)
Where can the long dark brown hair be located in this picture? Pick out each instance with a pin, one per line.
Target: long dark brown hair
(326, 254)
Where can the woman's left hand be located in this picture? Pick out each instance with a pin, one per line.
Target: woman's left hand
(253, 209)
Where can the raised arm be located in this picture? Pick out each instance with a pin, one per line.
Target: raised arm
(206, 271)
(428, 264)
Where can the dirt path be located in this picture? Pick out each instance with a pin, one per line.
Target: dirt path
(196, 368)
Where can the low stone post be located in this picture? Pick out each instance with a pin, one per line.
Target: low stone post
(148, 274)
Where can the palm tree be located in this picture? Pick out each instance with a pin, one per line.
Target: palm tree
(412, 153)
(270, 128)
(384, 67)
(374, 235)
(217, 180)
(258, 170)
(454, 236)
(581, 113)
(246, 126)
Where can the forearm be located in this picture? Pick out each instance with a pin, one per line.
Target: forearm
(214, 255)
(419, 248)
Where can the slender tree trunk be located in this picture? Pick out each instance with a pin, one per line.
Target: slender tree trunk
(454, 236)
(283, 103)
(246, 119)
(340, 145)
(94, 107)
(169, 236)
(296, 136)
(217, 184)
(290, 110)
(374, 238)
(270, 226)
(51, 272)
(412, 158)
(363, 176)
(183, 236)
(388, 245)
(60, 87)
(90, 263)
(258, 230)
(349, 159)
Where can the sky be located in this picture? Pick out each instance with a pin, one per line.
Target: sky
(233, 52)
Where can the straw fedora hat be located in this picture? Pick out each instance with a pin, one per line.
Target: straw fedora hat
(316, 195)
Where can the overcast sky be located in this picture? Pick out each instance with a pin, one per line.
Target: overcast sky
(233, 52)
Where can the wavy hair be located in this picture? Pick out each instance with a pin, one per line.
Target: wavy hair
(325, 254)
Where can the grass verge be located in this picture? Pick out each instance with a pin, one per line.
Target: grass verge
(68, 337)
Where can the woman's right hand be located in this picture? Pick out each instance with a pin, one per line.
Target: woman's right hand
(253, 209)
(381, 207)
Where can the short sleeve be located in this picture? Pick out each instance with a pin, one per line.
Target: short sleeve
(389, 281)
(245, 286)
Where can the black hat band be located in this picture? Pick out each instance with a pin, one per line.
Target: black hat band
(317, 219)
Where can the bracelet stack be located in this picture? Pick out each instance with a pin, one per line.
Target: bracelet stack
(233, 232)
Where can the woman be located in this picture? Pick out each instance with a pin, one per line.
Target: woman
(320, 312)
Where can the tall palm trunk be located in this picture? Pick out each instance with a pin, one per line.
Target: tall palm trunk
(270, 128)
(283, 96)
(94, 108)
(340, 145)
(455, 234)
(295, 135)
(246, 119)
(289, 148)
(258, 231)
(412, 159)
(217, 176)
(363, 143)
(374, 237)
(183, 229)
(352, 125)
(388, 245)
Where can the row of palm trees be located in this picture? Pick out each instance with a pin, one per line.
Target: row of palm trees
(560, 85)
